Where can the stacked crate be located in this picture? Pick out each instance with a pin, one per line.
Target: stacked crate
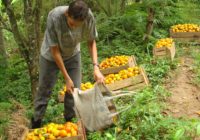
(138, 81)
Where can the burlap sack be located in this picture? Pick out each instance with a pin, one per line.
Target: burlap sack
(95, 107)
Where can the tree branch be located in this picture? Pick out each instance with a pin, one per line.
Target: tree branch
(5, 26)
(122, 5)
(37, 13)
(22, 43)
(27, 10)
(150, 24)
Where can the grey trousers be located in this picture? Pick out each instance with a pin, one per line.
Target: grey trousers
(47, 79)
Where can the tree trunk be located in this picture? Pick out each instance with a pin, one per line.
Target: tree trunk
(149, 26)
(28, 44)
(20, 40)
(122, 5)
(3, 56)
(33, 30)
(109, 7)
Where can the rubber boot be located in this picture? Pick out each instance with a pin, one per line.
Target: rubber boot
(35, 124)
(69, 112)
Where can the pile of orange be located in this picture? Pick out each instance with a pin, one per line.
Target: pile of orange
(87, 85)
(165, 42)
(114, 61)
(63, 91)
(53, 131)
(185, 28)
(84, 86)
(123, 74)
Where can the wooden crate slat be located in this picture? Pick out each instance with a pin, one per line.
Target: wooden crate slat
(125, 83)
(186, 39)
(131, 63)
(141, 78)
(136, 87)
(78, 137)
(185, 36)
(172, 51)
(140, 85)
(146, 80)
(165, 52)
(161, 53)
(113, 69)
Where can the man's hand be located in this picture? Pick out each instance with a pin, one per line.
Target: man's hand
(59, 61)
(70, 86)
(98, 76)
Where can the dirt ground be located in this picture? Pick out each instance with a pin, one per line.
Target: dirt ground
(185, 96)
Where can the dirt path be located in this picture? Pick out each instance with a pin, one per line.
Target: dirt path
(185, 98)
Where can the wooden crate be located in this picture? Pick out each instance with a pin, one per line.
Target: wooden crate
(165, 52)
(131, 63)
(81, 133)
(185, 36)
(132, 83)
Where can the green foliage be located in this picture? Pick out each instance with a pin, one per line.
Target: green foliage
(5, 110)
(158, 69)
(179, 134)
(54, 112)
(125, 27)
(14, 1)
(87, 67)
(192, 7)
(109, 7)
(198, 129)
(196, 67)
(15, 79)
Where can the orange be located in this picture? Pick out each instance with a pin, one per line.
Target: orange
(63, 133)
(130, 74)
(74, 133)
(69, 134)
(55, 132)
(60, 127)
(68, 129)
(52, 137)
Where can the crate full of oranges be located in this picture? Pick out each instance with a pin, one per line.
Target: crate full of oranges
(84, 86)
(53, 131)
(131, 79)
(185, 32)
(164, 48)
(116, 63)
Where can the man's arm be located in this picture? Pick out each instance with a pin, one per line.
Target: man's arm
(93, 53)
(59, 61)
